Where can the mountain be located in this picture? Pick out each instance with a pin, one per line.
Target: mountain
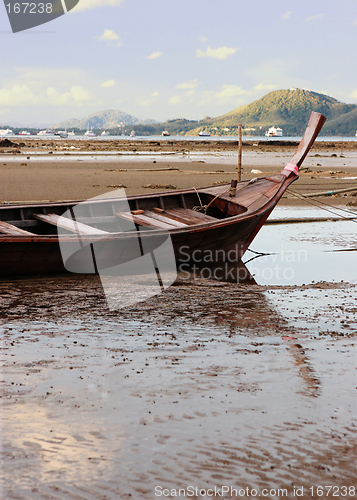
(288, 109)
(108, 119)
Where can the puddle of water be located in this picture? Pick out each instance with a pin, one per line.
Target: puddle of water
(304, 253)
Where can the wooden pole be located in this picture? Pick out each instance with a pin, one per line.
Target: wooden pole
(239, 153)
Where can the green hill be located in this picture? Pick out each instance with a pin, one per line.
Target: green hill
(288, 109)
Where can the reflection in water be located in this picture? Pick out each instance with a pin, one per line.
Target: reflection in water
(226, 272)
(190, 387)
(237, 272)
(306, 371)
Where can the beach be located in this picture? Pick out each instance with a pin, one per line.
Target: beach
(209, 389)
(74, 170)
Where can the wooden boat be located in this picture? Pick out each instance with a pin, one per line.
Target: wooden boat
(222, 220)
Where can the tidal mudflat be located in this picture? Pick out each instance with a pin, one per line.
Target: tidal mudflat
(212, 383)
(208, 384)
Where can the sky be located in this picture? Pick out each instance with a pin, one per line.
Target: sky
(165, 59)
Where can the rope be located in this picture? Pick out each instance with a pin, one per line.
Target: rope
(321, 204)
(259, 253)
(204, 208)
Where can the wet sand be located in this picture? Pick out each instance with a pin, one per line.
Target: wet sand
(208, 384)
(56, 172)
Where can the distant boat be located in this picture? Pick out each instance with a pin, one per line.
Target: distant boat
(165, 133)
(48, 131)
(132, 133)
(7, 131)
(24, 132)
(71, 133)
(274, 132)
(62, 133)
(104, 133)
(90, 133)
(204, 133)
(356, 134)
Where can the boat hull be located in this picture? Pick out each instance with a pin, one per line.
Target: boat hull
(42, 255)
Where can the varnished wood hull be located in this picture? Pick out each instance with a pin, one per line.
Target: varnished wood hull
(225, 240)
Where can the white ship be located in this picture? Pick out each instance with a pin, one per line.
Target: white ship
(165, 133)
(274, 132)
(48, 131)
(132, 133)
(71, 133)
(7, 131)
(24, 132)
(105, 133)
(204, 133)
(356, 134)
(62, 133)
(90, 133)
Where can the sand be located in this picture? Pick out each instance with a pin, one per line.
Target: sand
(56, 172)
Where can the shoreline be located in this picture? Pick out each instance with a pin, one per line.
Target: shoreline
(62, 170)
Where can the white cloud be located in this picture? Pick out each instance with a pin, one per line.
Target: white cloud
(149, 101)
(81, 94)
(203, 39)
(355, 22)
(109, 83)
(41, 77)
(277, 71)
(312, 18)
(225, 95)
(265, 86)
(22, 95)
(229, 91)
(175, 99)
(354, 94)
(219, 53)
(287, 15)
(144, 102)
(190, 92)
(18, 95)
(191, 84)
(155, 55)
(110, 36)
(95, 4)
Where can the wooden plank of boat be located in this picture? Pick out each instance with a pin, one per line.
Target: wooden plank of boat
(188, 216)
(6, 228)
(144, 220)
(163, 218)
(69, 224)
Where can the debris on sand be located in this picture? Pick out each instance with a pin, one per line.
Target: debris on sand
(159, 186)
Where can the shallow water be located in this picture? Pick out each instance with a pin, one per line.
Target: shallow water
(307, 252)
(207, 384)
